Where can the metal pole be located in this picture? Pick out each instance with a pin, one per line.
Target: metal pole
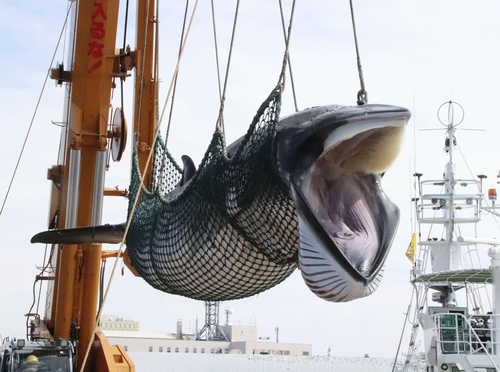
(98, 193)
(494, 253)
(73, 188)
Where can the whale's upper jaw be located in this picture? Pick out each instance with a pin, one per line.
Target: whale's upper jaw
(304, 137)
(332, 158)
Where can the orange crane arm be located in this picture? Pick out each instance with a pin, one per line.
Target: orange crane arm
(78, 178)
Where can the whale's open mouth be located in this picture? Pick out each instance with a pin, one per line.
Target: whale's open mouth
(345, 195)
(346, 221)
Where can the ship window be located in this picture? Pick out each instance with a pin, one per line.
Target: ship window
(151, 349)
(125, 347)
(305, 353)
(160, 349)
(186, 350)
(203, 350)
(169, 349)
(194, 350)
(176, 349)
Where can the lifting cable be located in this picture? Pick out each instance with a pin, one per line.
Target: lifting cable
(281, 80)
(176, 71)
(173, 87)
(287, 53)
(176, 75)
(216, 52)
(36, 110)
(220, 121)
(156, 66)
(362, 94)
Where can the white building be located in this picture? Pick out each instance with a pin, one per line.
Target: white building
(115, 323)
(242, 340)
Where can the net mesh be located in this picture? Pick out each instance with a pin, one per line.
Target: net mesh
(230, 232)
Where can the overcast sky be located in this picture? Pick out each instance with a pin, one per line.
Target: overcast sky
(416, 54)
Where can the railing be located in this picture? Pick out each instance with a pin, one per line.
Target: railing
(476, 335)
(433, 207)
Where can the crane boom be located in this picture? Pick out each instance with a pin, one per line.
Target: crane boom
(78, 178)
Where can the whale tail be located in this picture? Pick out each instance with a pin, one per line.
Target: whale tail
(104, 234)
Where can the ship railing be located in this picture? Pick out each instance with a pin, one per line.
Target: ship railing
(434, 205)
(456, 334)
(437, 186)
(435, 208)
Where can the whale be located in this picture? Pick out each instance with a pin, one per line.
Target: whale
(331, 160)
(334, 174)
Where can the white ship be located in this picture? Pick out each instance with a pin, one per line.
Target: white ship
(455, 304)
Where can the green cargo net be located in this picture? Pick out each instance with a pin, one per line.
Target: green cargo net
(228, 233)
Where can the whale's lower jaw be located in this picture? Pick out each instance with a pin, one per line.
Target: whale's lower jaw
(325, 276)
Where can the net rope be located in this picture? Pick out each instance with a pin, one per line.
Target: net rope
(230, 232)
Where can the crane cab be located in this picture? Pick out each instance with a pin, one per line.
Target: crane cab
(30, 356)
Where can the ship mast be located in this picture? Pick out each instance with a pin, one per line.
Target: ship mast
(446, 253)
(461, 337)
